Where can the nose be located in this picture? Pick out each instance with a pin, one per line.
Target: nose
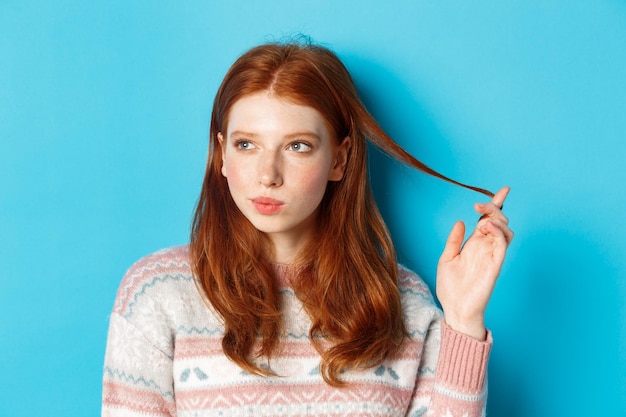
(270, 170)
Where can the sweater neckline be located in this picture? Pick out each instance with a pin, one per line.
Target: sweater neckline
(284, 273)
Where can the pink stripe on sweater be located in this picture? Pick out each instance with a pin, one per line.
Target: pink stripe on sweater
(120, 395)
(187, 348)
(276, 394)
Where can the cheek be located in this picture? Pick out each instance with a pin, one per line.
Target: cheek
(235, 175)
(313, 183)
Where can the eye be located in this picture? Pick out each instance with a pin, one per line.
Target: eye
(244, 145)
(299, 147)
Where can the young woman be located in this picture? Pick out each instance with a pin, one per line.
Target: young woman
(289, 301)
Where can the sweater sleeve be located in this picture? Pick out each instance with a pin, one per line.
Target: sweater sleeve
(137, 374)
(451, 377)
(460, 381)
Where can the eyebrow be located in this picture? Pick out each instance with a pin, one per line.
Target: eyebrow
(242, 133)
(309, 135)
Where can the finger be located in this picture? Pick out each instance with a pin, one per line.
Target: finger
(500, 196)
(499, 243)
(454, 242)
(496, 228)
(490, 210)
(494, 208)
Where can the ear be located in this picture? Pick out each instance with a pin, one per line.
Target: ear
(220, 139)
(341, 160)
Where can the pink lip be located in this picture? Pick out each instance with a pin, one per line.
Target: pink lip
(266, 205)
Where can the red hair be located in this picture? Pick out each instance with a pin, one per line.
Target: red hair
(350, 258)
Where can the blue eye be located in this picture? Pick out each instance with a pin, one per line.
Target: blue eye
(244, 145)
(300, 147)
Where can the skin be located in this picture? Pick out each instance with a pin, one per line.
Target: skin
(278, 150)
(467, 273)
(283, 154)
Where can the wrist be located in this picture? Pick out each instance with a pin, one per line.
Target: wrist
(473, 328)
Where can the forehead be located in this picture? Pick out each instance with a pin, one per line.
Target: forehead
(264, 112)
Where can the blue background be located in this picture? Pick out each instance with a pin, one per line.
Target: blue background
(104, 114)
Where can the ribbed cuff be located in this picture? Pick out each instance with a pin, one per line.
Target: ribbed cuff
(462, 359)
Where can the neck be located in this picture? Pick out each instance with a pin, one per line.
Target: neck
(287, 247)
(288, 244)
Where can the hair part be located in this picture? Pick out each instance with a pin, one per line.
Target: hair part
(229, 256)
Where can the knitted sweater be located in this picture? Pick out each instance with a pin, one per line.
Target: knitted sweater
(164, 357)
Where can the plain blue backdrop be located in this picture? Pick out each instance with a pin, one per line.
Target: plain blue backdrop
(104, 113)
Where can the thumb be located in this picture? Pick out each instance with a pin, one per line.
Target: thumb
(454, 242)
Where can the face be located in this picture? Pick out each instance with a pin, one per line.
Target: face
(278, 158)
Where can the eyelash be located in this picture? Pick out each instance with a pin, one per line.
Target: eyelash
(245, 145)
(240, 145)
(306, 145)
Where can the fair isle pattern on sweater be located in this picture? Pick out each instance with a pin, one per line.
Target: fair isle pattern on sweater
(164, 357)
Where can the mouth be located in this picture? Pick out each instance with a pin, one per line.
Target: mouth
(266, 205)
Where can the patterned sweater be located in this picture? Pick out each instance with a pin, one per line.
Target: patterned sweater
(164, 357)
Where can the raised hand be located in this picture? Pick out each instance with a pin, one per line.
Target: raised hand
(467, 273)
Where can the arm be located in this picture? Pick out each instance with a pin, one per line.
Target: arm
(137, 374)
(466, 277)
(451, 380)
(460, 386)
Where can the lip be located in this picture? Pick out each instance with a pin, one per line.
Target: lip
(267, 205)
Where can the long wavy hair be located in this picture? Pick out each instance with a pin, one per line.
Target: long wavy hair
(351, 257)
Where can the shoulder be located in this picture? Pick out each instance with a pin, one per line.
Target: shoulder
(175, 257)
(154, 275)
(411, 285)
(418, 304)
